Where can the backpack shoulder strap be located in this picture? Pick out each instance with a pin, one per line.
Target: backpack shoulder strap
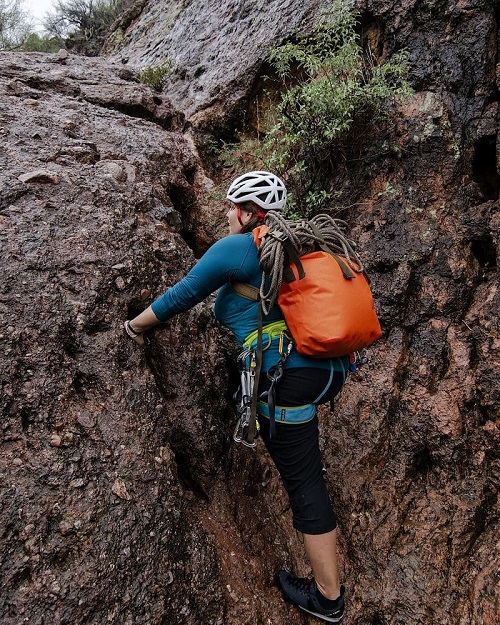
(245, 290)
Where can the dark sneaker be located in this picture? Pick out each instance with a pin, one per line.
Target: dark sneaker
(304, 593)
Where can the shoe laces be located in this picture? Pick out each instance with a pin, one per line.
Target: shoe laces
(302, 584)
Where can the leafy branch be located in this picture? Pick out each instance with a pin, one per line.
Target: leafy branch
(331, 88)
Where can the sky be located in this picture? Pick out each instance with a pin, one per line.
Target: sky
(38, 8)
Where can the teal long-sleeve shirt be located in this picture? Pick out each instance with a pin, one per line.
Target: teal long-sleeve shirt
(233, 258)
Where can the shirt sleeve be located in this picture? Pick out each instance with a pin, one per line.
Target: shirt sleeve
(223, 262)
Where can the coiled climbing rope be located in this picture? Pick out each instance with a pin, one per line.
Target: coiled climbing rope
(304, 240)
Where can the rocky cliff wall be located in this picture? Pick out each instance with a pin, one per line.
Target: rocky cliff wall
(123, 498)
(217, 47)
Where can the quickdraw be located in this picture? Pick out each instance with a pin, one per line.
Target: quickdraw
(247, 365)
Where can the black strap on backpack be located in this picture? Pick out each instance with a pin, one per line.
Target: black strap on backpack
(291, 256)
(348, 274)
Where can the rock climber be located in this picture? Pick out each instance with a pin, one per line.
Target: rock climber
(294, 448)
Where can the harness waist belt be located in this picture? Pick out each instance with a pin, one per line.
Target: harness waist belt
(269, 332)
(287, 414)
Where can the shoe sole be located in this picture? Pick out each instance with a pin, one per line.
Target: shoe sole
(322, 617)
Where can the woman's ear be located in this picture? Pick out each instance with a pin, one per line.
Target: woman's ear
(246, 216)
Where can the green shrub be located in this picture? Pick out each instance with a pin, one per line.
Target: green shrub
(155, 76)
(331, 88)
(41, 43)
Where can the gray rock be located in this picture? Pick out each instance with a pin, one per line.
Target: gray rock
(217, 47)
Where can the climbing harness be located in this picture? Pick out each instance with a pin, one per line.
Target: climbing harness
(246, 397)
(290, 414)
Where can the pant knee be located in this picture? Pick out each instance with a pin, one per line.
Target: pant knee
(312, 510)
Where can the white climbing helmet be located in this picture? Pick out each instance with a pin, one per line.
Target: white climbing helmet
(261, 187)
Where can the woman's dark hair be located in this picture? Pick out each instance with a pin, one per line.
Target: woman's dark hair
(258, 216)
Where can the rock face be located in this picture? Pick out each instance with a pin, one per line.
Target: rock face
(217, 47)
(123, 497)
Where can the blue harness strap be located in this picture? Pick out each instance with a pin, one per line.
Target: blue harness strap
(317, 400)
(285, 414)
(296, 414)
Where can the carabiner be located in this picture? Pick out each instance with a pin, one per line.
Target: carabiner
(281, 342)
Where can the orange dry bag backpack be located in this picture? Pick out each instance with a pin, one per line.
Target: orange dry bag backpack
(324, 295)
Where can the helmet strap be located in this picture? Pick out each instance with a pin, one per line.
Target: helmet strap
(238, 215)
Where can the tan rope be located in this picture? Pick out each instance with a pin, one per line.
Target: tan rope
(302, 237)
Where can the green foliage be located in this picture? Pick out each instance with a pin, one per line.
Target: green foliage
(331, 88)
(388, 190)
(155, 76)
(41, 43)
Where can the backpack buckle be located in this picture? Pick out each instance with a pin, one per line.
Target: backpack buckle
(278, 235)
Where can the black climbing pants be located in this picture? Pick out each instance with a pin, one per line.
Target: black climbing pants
(295, 449)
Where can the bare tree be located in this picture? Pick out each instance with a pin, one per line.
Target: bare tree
(83, 24)
(15, 24)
